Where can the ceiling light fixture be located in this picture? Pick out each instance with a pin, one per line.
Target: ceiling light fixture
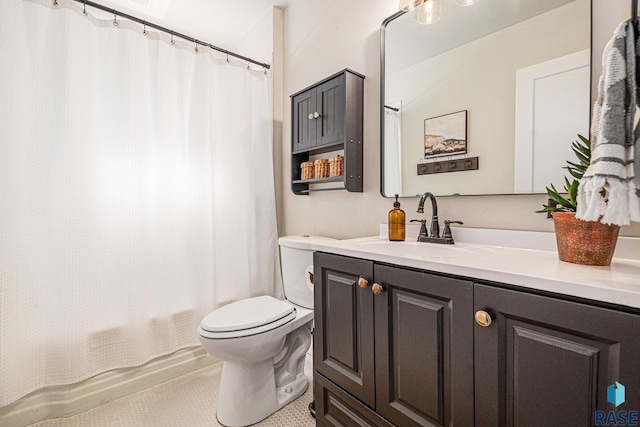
(407, 5)
(429, 12)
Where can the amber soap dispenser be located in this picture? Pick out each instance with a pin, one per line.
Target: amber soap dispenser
(396, 222)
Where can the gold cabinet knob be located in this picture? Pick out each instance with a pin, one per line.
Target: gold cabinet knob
(376, 288)
(363, 283)
(483, 318)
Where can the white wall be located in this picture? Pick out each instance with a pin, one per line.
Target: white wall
(322, 37)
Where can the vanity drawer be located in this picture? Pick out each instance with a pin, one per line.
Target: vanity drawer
(334, 407)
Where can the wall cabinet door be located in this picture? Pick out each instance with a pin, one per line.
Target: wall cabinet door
(330, 105)
(424, 348)
(343, 341)
(544, 361)
(319, 115)
(304, 125)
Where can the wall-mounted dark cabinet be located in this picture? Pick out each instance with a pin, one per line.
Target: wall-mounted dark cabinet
(414, 354)
(328, 117)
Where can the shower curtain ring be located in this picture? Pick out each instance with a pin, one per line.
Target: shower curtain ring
(55, 2)
(248, 66)
(227, 57)
(144, 27)
(84, 8)
(172, 41)
(196, 41)
(115, 18)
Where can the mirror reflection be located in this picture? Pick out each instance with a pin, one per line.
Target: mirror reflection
(520, 70)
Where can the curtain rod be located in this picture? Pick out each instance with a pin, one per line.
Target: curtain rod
(168, 31)
(392, 108)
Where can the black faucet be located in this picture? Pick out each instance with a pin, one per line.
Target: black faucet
(435, 237)
(435, 226)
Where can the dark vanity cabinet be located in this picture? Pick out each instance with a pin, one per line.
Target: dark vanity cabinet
(415, 348)
(391, 345)
(328, 118)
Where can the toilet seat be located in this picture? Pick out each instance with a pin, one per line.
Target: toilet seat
(246, 317)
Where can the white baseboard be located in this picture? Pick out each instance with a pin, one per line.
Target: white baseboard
(67, 400)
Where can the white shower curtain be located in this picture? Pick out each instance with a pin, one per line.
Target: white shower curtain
(136, 193)
(392, 152)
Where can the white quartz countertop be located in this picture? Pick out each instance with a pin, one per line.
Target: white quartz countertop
(537, 269)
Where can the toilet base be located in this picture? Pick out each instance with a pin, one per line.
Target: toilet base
(236, 410)
(250, 393)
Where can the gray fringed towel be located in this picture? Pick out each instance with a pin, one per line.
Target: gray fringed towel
(615, 155)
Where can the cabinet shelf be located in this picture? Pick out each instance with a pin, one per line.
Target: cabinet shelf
(319, 180)
(328, 117)
(321, 149)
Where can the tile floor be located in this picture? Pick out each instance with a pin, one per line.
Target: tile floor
(188, 401)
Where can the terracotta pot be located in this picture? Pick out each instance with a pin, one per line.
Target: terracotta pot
(584, 242)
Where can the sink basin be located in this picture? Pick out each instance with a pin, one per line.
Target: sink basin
(417, 249)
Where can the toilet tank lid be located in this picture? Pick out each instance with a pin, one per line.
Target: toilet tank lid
(302, 241)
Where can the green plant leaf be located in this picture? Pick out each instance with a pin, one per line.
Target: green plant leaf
(581, 149)
(572, 191)
(547, 208)
(582, 153)
(574, 173)
(555, 195)
(585, 141)
(585, 160)
(576, 166)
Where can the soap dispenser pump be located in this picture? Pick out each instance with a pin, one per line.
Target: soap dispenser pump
(396, 222)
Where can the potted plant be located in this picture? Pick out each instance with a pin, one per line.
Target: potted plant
(579, 242)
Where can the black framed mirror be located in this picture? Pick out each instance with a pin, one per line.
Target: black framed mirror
(520, 70)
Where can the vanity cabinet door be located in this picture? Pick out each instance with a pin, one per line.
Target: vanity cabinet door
(544, 361)
(424, 348)
(343, 336)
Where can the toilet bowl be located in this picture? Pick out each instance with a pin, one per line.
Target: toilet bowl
(263, 341)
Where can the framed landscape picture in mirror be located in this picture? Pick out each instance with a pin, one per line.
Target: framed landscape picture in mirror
(445, 135)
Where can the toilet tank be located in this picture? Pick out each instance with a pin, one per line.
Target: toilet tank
(296, 257)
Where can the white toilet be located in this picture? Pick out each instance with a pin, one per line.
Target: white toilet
(263, 341)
